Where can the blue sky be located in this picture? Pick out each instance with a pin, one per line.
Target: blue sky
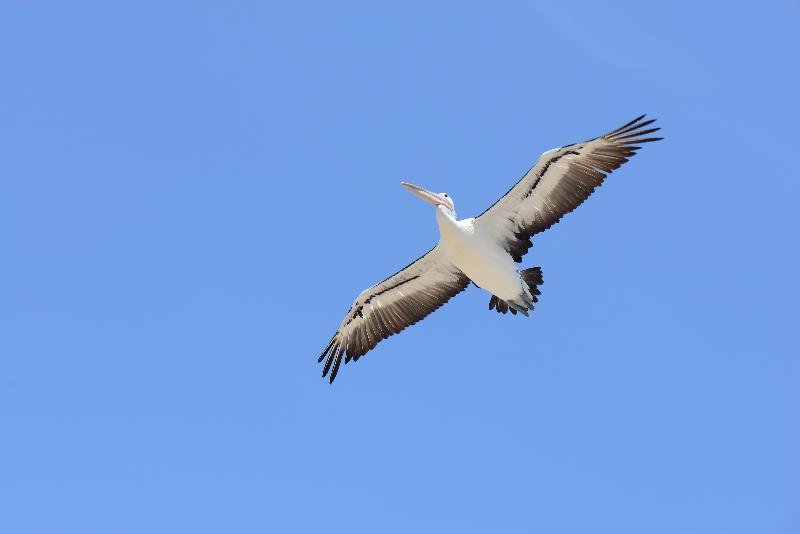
(192, 194)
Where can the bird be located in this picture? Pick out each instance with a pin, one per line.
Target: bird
(486, 249)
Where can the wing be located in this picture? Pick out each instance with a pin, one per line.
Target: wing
(558, 183)
(385, 309)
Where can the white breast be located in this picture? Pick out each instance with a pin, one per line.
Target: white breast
(479, 256)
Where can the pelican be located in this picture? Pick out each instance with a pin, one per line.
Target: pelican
(484, 250)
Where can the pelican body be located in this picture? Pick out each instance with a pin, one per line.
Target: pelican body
(484, 250)
(476, 253)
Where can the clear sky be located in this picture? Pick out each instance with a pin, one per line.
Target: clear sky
(193, 193)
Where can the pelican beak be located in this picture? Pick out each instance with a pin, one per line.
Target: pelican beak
(425, 195)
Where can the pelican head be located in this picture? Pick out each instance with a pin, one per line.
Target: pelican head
(437, 199)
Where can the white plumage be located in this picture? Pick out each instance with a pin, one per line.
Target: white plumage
(484, 249)
(478, 254)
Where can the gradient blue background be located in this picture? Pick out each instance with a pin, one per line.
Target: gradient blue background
(192, 194)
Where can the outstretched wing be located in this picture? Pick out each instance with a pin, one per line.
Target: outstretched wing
(385, 309)
(558, 183)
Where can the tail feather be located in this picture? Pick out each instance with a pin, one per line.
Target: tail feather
(533, 279)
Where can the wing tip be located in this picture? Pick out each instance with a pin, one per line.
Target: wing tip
(337, 362)
(631, 132)
(324, 352)
(333, 362)
(630, 123)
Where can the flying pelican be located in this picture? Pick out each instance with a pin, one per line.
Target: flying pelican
(484, 249)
